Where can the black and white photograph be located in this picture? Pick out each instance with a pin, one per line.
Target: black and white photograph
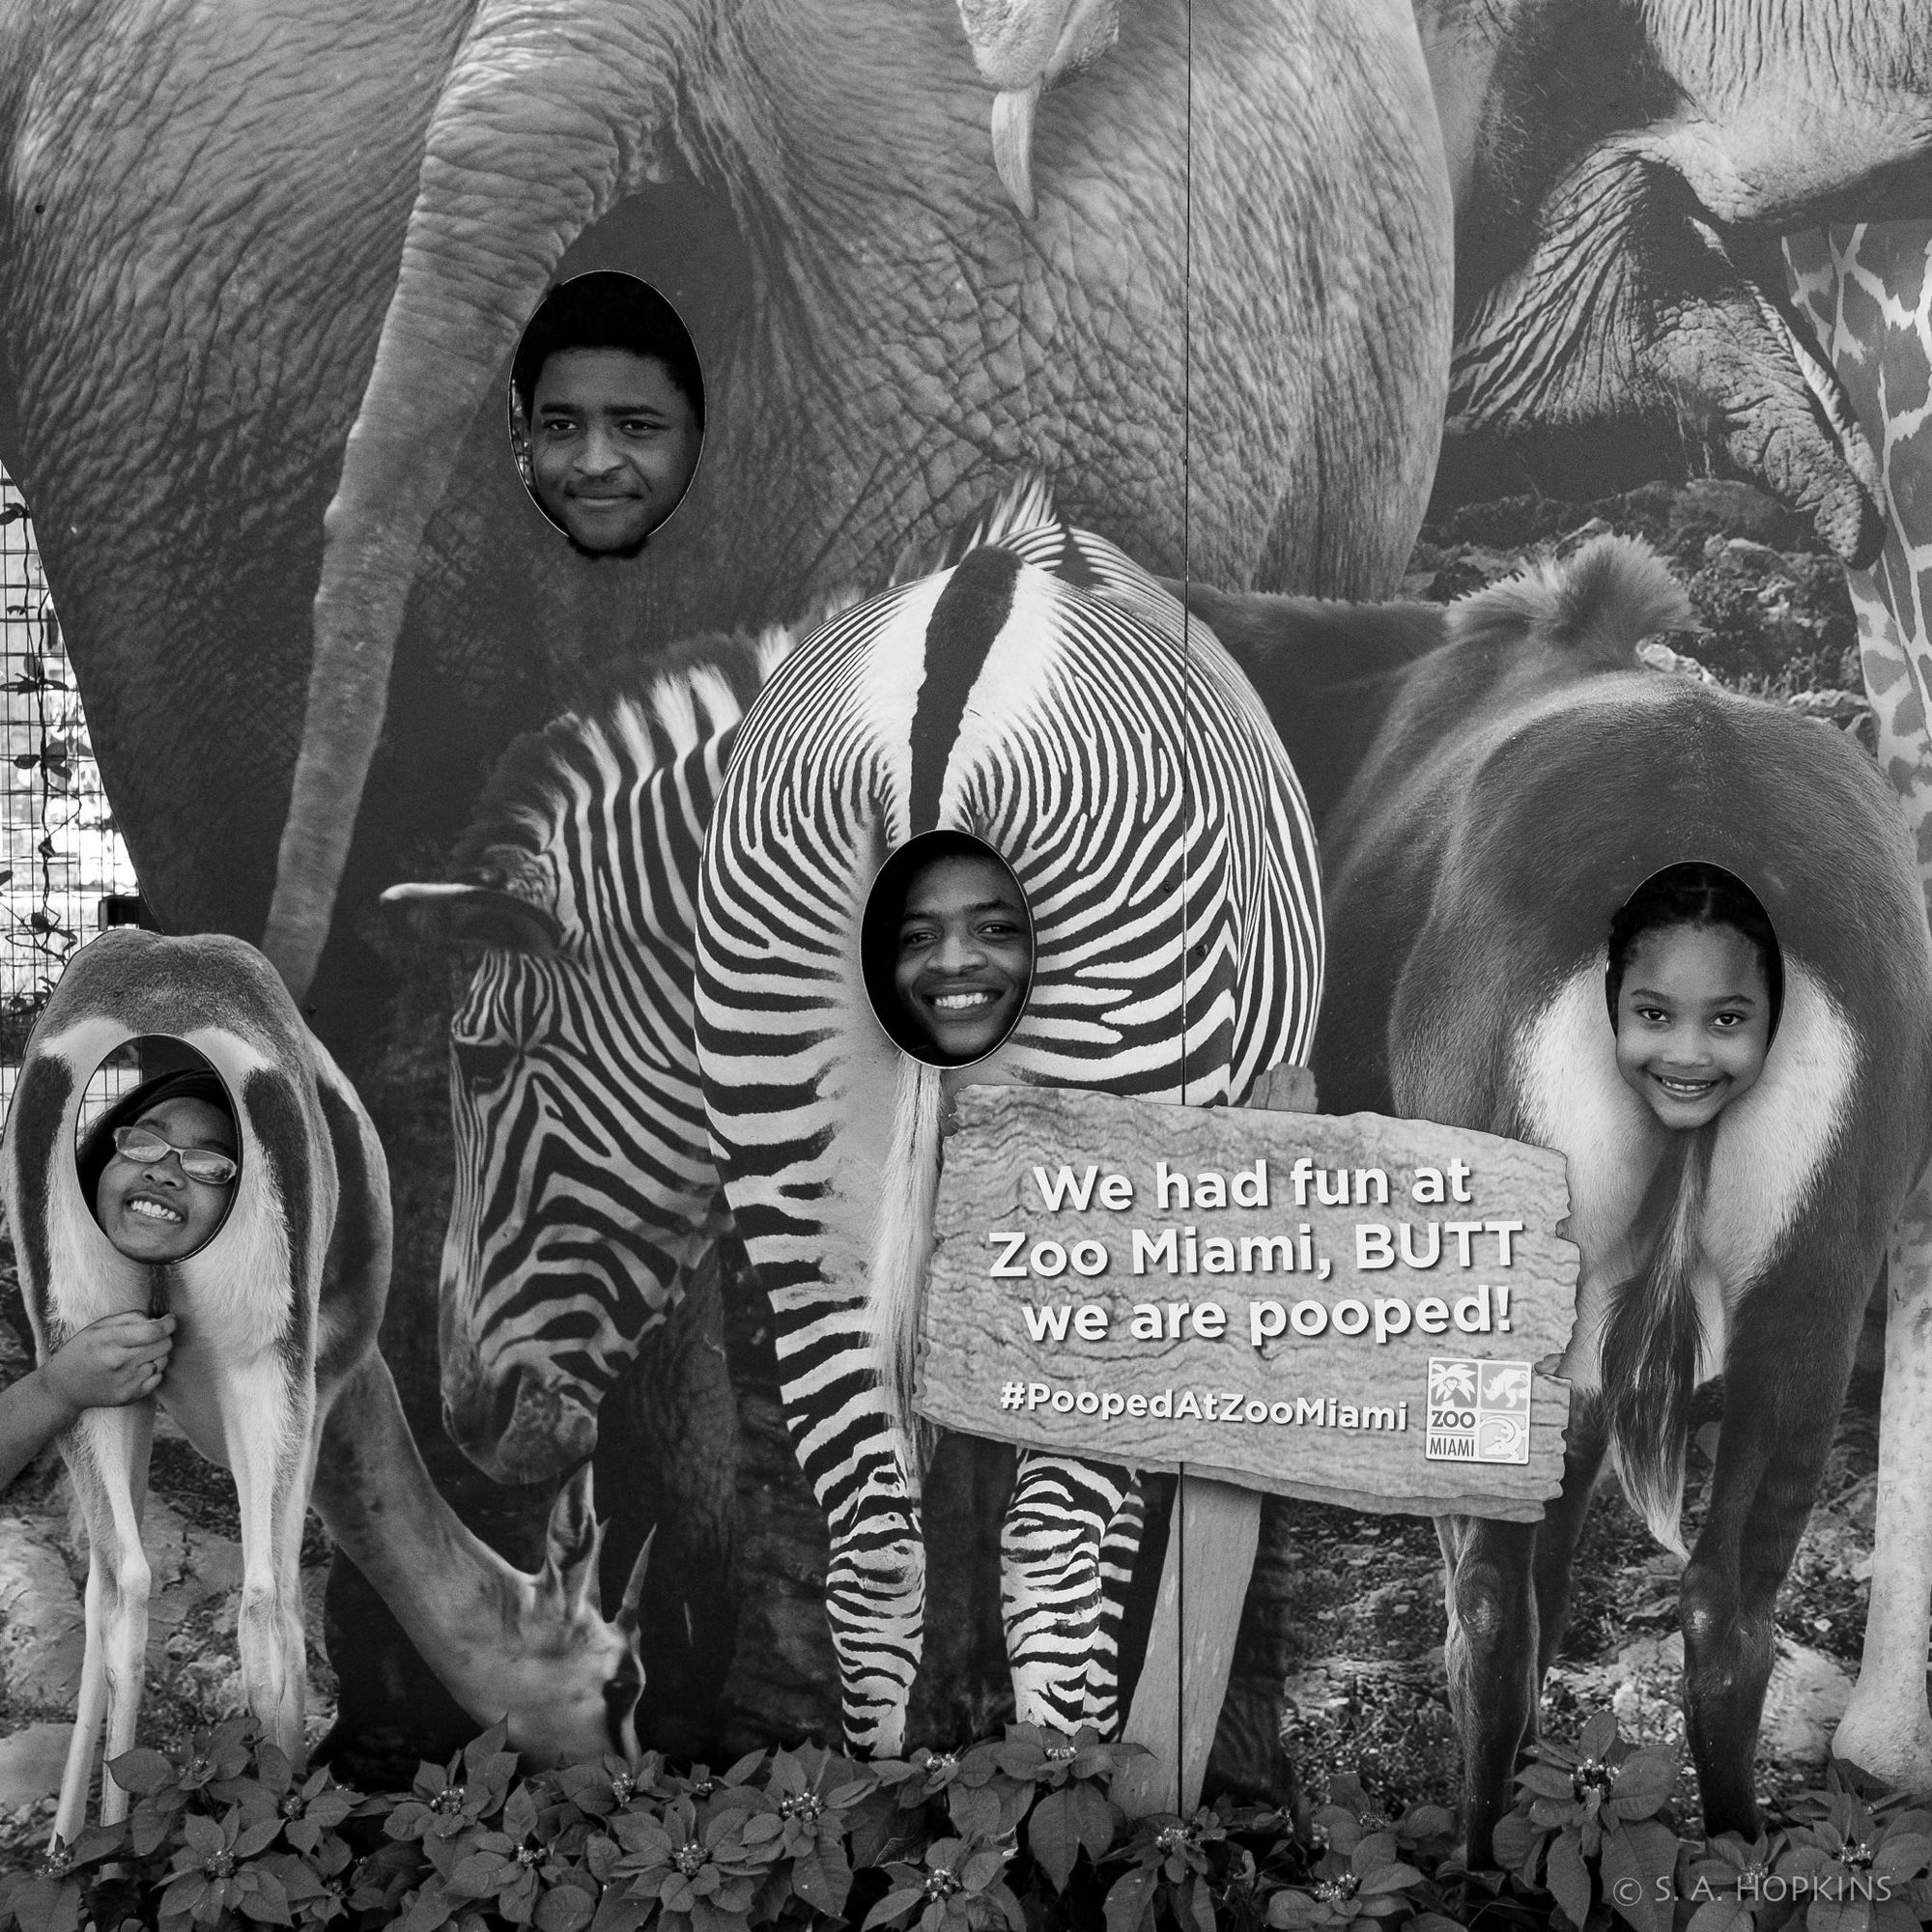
(725, 721)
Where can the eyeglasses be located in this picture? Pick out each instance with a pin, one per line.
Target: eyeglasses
(203, 1164)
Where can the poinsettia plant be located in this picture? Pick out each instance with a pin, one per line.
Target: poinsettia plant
(1019, 1834)
(1586, 1824)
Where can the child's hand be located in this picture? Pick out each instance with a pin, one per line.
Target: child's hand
(118, 1358)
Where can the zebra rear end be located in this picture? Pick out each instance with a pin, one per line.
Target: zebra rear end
(1044, 695)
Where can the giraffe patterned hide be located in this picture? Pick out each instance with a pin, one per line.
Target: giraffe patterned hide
(1867, 293)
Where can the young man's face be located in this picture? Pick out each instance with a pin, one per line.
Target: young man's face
(965, 957)
(613, 445)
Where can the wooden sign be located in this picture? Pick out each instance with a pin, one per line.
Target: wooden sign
(1351, 1310)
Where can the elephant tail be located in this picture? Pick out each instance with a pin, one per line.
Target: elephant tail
(902, 1249)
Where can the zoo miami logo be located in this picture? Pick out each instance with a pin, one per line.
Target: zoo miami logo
(1478, 1412)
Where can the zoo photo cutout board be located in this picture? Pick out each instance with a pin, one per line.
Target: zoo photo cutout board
(1032, 430)
(1357, 1311)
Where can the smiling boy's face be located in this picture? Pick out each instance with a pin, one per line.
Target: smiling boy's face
(614, 441)
(965, 955)
(1693, 1022)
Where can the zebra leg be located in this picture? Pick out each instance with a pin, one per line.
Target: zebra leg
(1050, 1581)
(844, 1438)
(1119, 1548)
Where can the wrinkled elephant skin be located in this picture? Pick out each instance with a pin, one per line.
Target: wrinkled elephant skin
(1621, 177)
(283, 275)
(900, 336)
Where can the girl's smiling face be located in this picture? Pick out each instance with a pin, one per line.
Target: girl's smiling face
(1693, 1020)
(150, 1210)
(964, 956)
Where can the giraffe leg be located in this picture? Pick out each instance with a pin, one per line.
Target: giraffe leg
(843, 1437)
(106, 1452)
(1050, 1581)
(1886, 1729)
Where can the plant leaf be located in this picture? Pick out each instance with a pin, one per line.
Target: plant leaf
(564, 1908)
(1598, 1735)
(1194, 1903)
(894, 1906)
(1631, 1868)
(1514, 1839)
(1569, 1879)
(1130, 1901)
(1644, 1782)
(141, 1773)
(1720, 1914)
(1053, 1832)
(1547, 1781)
(823, 1878)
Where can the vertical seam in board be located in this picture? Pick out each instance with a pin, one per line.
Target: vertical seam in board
(1180, 1514)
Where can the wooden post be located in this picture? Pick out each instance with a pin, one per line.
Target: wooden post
(1204, 1585)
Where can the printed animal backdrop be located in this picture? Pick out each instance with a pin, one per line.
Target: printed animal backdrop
(1195, 265)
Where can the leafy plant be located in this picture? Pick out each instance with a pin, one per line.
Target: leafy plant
(1018, 1833)
(1586, 1824)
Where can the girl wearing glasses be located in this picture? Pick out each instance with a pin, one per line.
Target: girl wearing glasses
(159, 1169)
(159, 1166)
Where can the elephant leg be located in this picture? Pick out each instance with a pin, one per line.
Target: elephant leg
(1050, 1581)
(843, 1437)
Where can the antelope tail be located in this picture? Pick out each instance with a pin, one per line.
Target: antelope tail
(903, 1250)
(1652, 1342)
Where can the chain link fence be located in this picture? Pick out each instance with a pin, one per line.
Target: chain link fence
(64, 870)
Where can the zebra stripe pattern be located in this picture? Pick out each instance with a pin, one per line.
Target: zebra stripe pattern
(584, 1184)
(1044, 694)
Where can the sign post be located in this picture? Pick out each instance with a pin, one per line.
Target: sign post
(1351, 1309)
(1212, 1539)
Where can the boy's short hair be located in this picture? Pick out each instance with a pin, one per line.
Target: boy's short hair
(607, 309)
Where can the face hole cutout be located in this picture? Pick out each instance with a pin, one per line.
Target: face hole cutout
(947, 946)
(1695, 984)
(159, 1167)
(606, 412)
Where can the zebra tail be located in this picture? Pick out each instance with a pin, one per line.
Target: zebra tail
(1651, 1345)
(903, 1250)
